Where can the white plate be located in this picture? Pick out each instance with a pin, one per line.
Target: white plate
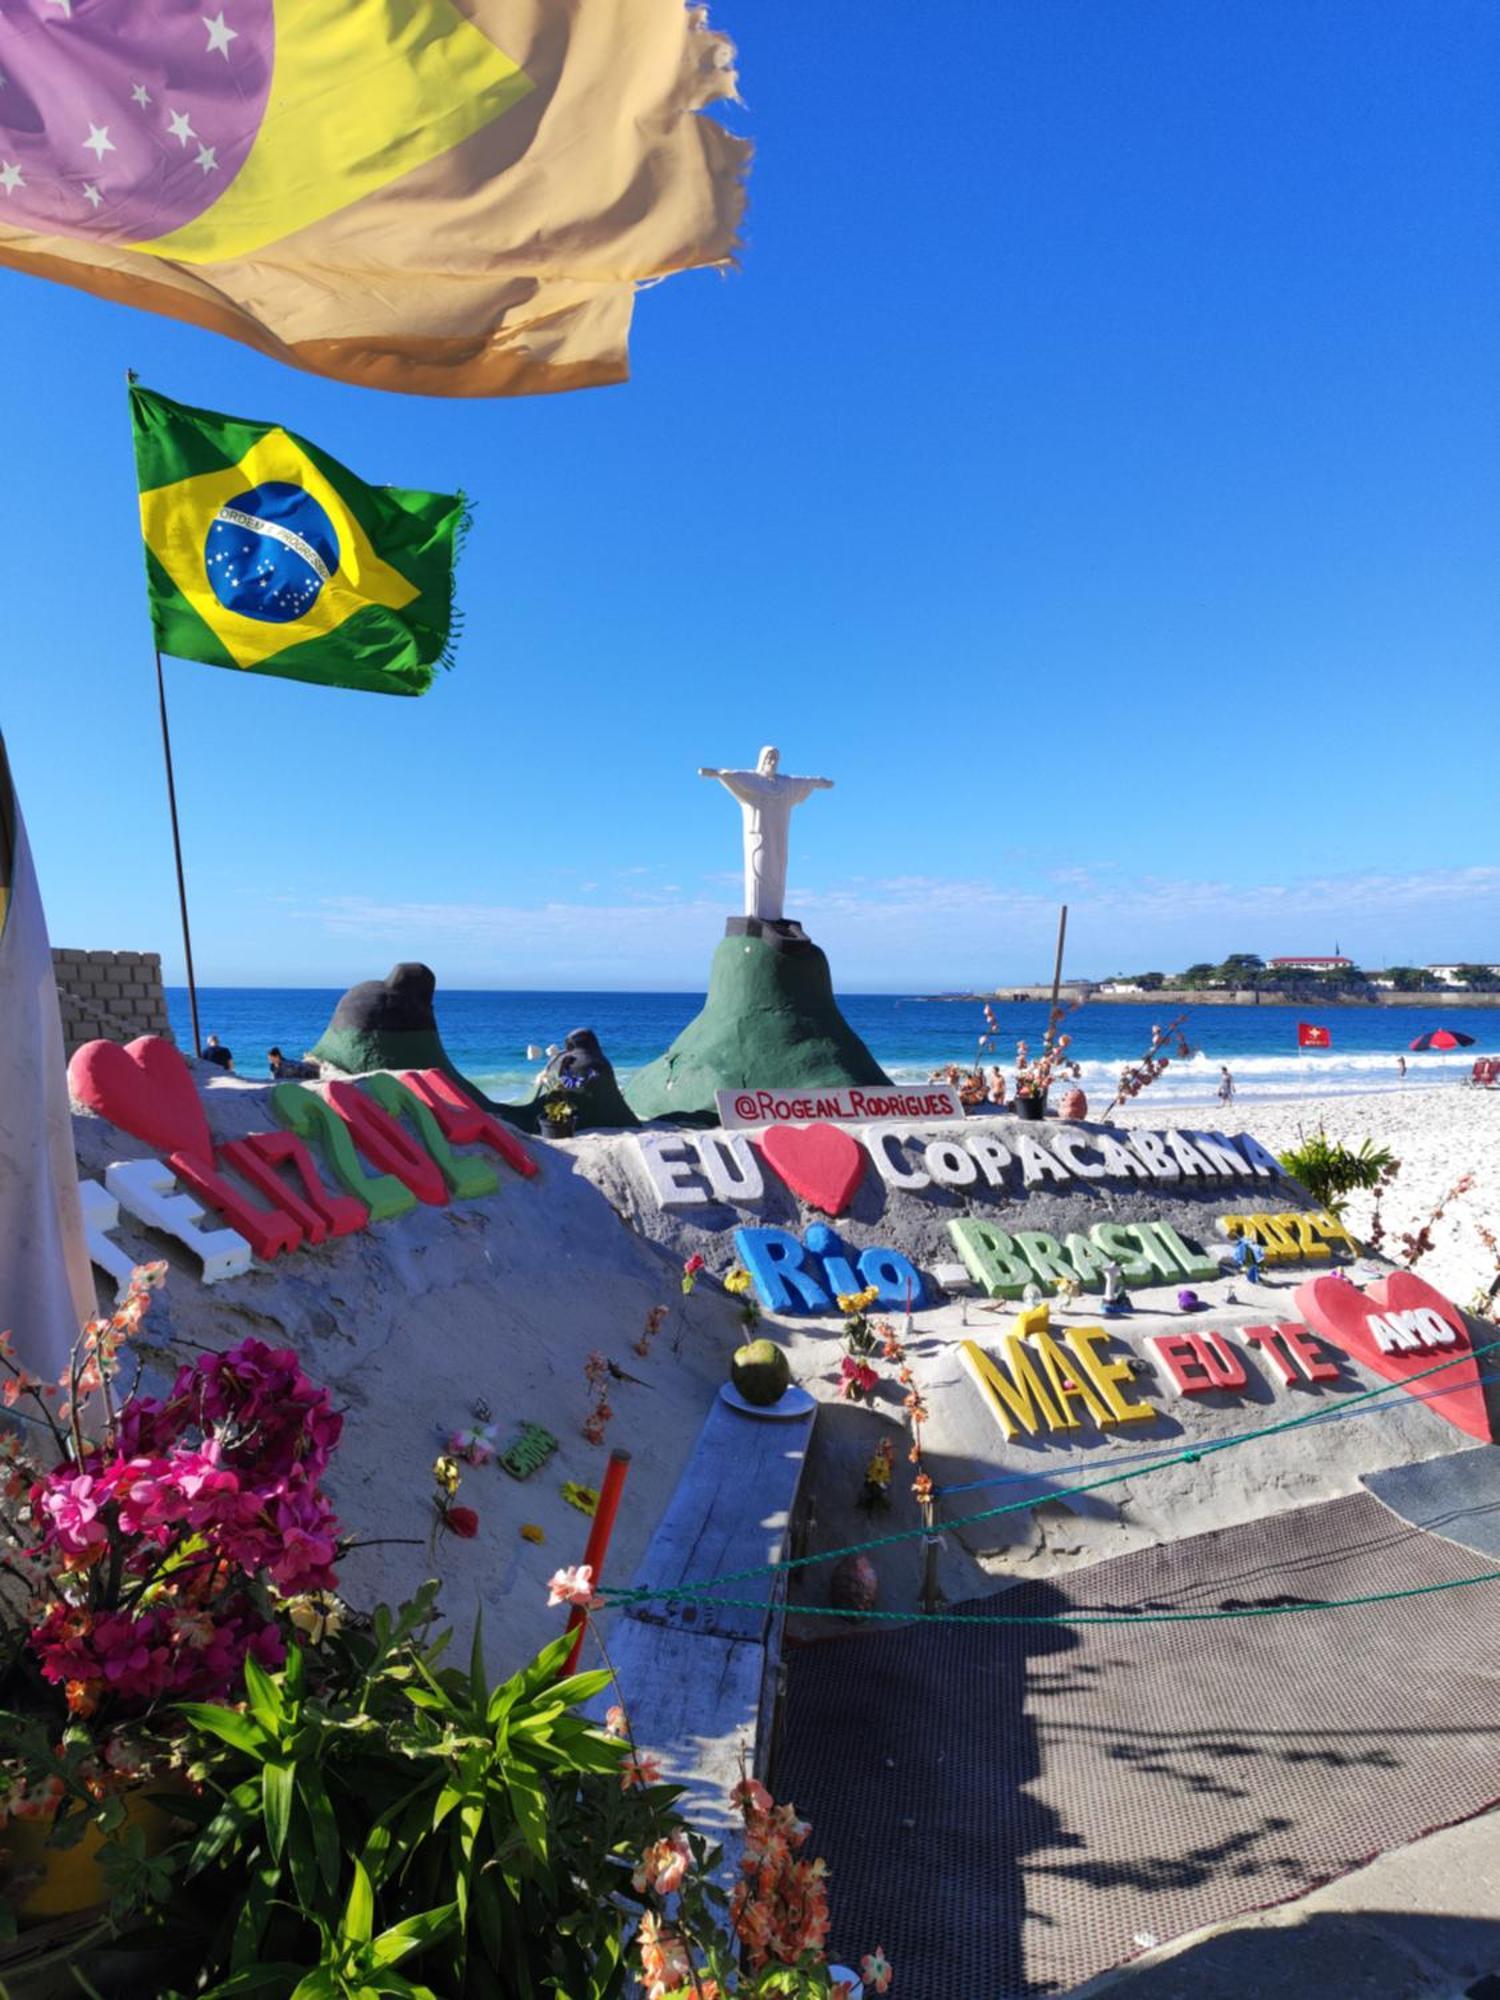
(792, 1402)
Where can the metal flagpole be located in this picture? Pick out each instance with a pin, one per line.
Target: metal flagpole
(187, 938)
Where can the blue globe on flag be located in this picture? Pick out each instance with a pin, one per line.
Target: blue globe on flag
(269, 552)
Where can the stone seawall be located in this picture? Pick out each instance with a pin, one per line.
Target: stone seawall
(110, 996)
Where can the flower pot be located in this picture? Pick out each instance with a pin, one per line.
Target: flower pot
(1033, 1108)
(47, 1882)
(562, 1128)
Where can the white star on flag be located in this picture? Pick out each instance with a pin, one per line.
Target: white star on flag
(208, 158)
(180, 129)
(11, 177)
(220, 34)
(91, 194)
(99, 142)
(141, 95)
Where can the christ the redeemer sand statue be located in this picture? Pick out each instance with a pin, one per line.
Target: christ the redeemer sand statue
(766, 800)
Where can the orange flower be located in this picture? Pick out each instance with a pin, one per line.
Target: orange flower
(641, 1771)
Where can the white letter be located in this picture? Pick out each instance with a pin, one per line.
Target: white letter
(663, 1158)
(732, 1167)
(893, 1170)
(148, 1190)
(1065, 1145)
(993, 1155)
(101, 1213)
(948, 1163)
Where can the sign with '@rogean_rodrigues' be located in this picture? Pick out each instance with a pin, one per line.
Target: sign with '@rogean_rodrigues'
(921, 1104)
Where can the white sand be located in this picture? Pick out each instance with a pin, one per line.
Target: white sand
(1438, 1134)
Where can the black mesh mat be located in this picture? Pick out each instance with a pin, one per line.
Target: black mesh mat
(1010, 1811)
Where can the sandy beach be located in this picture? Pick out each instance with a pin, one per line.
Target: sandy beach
(1438, 1134)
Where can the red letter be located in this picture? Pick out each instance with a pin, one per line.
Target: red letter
(387, 1145)
(320, 1213)
(463, 1122)
(1303, 1348)
(1264, 1337)
(266, 1230)
(1223, 1365)
(1184, 1363)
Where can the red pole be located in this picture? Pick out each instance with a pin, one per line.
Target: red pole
(600, 1530)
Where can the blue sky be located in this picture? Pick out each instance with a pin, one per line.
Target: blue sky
(1091, 467)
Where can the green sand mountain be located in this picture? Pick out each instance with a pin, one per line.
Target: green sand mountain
(770, 1021)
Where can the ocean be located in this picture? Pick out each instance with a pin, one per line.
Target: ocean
(487, 1035)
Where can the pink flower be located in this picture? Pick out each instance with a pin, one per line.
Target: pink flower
(463, 1522)
(875, 1970)
(693, 1265)
(639, 1771)
(572, 1586)
(751, 1795)
(614, 1721)
(664, 1865)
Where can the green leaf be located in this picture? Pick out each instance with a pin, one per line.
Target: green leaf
(479, 1680)
(278, 1786)
(581, 1687)
(359, 1911)
(273, 1979)
(324, 1825)
(237, 1730)
(265, 1701)
(414, 1934)
(318, 1985)
(529, 1803)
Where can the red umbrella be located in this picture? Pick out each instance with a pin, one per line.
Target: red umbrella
(1443, 1038)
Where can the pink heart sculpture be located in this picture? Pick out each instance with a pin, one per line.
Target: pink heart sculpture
(147, 1090)
(818, 1162)
(1406, 1308)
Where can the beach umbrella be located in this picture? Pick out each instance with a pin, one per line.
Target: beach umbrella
(1443, 1038)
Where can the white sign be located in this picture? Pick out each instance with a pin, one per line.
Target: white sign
(914, 1104)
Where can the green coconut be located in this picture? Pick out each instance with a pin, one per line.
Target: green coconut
(761, 1373)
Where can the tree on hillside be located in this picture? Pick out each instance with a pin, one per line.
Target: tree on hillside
(1410, 978)
(1479, 978)
(1202, 974)
(1149, 982)
(1242, 968)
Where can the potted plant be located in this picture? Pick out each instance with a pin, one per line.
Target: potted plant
(151, 1546)
(1035, 1074)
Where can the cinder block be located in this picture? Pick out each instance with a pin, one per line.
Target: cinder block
(107, 989)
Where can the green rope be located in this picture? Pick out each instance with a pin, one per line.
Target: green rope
(1191, 1456)
(1118, 1618)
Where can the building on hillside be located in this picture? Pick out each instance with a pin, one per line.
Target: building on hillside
(1123, 988)
(1311, 964)
(1450, 975)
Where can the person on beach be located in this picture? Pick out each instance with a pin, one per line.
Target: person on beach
(284, 1068)
(1226, 1085)
(1401, 1067)
(215, 1052)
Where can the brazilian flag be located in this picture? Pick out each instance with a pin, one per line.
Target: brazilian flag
(264, 553)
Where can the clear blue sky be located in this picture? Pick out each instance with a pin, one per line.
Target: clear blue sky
(1092, 467)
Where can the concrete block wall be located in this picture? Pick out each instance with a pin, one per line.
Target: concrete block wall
(110, 996)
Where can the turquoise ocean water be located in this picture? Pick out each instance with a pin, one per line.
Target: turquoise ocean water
(487, 1035)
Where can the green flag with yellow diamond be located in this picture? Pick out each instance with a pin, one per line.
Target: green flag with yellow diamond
(264, 553)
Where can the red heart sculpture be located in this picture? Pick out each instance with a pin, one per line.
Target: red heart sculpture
(147, 1090)
(1342, 1313)
(819, 1162)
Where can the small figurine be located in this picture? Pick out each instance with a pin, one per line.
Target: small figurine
(1249, 1256)
(1116, 1298)
(1032, 1296)
(1036, 1319)
(1188, 1301)
(1067, 1290)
